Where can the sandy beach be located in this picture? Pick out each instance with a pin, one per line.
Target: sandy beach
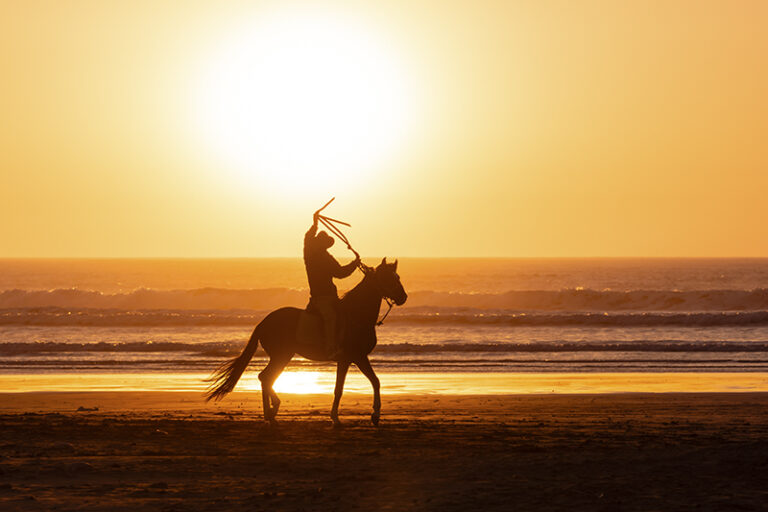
(169, 451)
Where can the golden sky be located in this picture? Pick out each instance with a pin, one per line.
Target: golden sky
(530, 128)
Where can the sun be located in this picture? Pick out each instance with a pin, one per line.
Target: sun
(304, 102)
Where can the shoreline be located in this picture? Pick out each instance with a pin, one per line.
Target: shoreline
(401, 383)
(248, 404)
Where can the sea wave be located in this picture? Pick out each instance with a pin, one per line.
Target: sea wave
(220, 349)
(271, 298)
(145, 298)
(601, 300)
(92, 317)
(603, 319)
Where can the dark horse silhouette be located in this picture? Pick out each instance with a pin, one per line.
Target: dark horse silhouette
(278, 336)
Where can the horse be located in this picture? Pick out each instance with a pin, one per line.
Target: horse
(278, 334)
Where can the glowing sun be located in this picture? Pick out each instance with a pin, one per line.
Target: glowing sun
(304, 102)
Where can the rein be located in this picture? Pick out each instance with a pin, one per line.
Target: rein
(390, 303)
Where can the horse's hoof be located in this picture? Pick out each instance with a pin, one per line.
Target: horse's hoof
(375, 419)
(336, 423)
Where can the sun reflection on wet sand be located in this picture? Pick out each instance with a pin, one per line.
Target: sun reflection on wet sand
(311, 382)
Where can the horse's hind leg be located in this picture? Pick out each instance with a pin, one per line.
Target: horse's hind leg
(275, 402)
(267, 377)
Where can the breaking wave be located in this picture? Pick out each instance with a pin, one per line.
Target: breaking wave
(229, 307)
(271, 298)
(605, 319)
(218, 349)
(144, 298)
(90, 317)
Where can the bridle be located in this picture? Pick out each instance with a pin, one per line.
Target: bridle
(366, 270)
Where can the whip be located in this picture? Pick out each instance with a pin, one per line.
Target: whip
(330, 224)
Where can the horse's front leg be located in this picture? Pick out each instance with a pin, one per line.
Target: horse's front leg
(365, 367)
(341, 375)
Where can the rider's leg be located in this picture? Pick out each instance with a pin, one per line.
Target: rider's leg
(328, 311)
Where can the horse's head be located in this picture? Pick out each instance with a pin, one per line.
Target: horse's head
(389, 282)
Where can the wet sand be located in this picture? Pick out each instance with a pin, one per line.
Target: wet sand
(409, 383)
(168, 451)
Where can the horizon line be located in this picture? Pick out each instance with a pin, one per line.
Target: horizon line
(389, 257)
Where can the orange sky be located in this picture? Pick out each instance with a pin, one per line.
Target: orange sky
(539, 128)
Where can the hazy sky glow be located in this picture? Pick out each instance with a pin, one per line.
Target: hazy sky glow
(531, 128)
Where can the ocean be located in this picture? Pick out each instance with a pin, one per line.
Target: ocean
(482, 316)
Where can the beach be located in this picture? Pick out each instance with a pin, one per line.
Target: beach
(171, 451)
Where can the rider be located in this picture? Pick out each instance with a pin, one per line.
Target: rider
(321, 269)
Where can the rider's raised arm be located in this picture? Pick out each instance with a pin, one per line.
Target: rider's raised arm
(310, 234)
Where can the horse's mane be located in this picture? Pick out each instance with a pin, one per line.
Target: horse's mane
(355, 289)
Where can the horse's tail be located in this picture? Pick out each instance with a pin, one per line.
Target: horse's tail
(225, 377)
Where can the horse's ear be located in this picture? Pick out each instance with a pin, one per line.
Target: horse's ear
(395, 267)
(384, 260)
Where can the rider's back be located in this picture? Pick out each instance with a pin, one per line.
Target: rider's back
(321, 268)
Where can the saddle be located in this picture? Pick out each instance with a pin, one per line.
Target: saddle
(311, 328)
